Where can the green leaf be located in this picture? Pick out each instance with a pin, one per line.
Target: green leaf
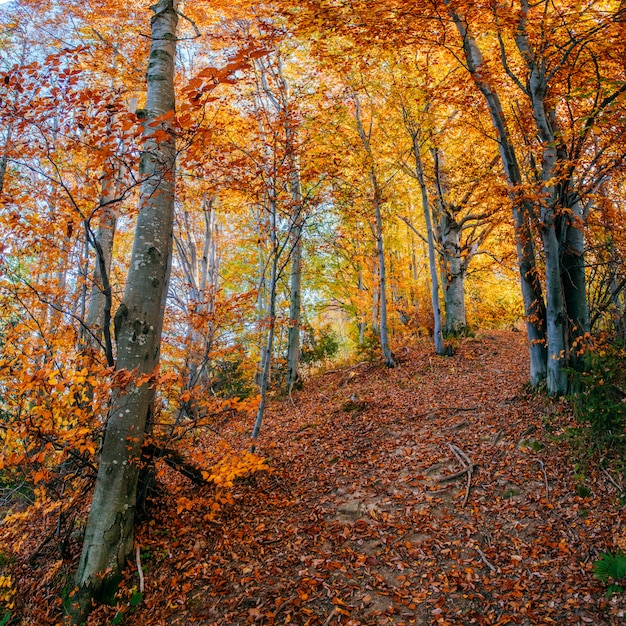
(136, 598)
(610, 565)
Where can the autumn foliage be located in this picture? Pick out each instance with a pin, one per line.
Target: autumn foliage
(219, 286)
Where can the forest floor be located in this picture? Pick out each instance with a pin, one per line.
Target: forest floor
(358, 521)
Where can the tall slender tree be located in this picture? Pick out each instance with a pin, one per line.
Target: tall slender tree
(138, 322)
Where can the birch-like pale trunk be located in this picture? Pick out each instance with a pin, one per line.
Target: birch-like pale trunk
(377, 201)
(440, 347)
(108, 538)
(532, 295)
(266, 360)
(382, 276)
(453, 270)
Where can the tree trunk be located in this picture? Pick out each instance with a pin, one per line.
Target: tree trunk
(295, 312)
(555, 314)
(200, 271)
(138, 322)
(377, 201)
(440, 346)
(574, 283)
(382, 273)
(297, 227)
(266, 362)
(534, 306)
(99, 309)
(360, 312)
(453, 271)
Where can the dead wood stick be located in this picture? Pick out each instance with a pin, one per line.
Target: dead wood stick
(459, 453)
(545, 478)
(467, 489)
(612, 480)
(139, 570)
(440, 409)
(468, 466)
(484, 559)
(445, 479)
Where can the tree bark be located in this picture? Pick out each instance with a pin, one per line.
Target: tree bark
(266, 356)
(295, 310)
(138, 322)
(377, 201)
(100, 300)
(532, 295)
(440, 346)
(382, 270)
(453, 270)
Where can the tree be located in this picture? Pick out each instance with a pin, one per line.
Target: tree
(376, 192)
(551, 58)
(138, 323)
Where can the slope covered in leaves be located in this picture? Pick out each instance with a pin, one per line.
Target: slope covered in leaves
(357, 521)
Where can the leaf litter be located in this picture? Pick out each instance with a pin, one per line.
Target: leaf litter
(438, 492)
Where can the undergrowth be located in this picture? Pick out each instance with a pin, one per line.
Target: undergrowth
(600, 408)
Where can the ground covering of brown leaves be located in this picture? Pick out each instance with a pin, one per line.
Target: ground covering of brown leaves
(357, 524)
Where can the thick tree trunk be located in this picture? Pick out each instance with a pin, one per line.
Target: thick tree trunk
(138, 322)
(555, 314)
(453, 271)
(574, 283)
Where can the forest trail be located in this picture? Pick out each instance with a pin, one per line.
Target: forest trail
(355, 524)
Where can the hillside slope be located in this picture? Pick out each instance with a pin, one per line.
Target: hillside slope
(359, 522)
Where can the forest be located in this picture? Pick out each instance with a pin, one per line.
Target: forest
(312, 312)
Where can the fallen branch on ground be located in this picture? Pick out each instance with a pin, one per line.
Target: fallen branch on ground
(468, 469)
(484, 559)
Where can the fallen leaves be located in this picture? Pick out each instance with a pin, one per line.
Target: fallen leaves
(352, 525)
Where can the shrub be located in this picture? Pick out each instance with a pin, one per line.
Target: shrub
(601, 400)
(320, 346)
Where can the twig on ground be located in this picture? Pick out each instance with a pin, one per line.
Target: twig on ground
(612, 480)
(468, 467)
(440, 409)
(545, 478)
(445, 479)
(484, 559)
(139, 570)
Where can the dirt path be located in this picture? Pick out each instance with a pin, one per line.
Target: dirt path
(356, 523)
